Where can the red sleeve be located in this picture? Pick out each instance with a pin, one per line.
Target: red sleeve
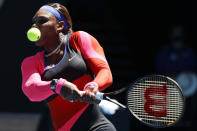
(95, 58)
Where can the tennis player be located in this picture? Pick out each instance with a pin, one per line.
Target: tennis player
(71, 61)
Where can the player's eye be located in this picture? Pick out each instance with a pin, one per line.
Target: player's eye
(40, 20)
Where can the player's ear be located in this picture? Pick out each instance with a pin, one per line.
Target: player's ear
(60, 26)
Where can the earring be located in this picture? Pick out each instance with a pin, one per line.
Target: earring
(61, 37)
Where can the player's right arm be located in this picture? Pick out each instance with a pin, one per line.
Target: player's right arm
(32, 85)
(38, 90)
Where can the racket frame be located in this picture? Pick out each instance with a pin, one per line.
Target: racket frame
(155, 75)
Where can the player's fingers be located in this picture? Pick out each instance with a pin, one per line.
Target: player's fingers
(91, 98)
(86, 97)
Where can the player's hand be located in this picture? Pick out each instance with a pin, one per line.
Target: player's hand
(70, 92)
(89, 95)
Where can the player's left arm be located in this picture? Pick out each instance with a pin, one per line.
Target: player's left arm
(96, 60)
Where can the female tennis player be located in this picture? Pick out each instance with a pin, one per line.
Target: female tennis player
(70, 62)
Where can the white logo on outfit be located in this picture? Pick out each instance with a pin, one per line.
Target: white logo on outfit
(72, 57)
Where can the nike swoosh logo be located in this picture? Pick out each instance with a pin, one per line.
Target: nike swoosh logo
(72, 57)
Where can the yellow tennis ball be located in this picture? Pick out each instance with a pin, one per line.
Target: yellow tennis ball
(33, 34)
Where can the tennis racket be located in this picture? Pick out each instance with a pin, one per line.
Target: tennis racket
(155, 100)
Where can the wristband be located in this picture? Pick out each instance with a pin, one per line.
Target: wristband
(59, 85)
(90, 84)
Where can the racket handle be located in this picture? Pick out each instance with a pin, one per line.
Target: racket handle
(99, 95)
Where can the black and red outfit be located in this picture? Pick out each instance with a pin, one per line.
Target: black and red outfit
(83, 62)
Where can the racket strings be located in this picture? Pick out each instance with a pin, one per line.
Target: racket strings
(156, 101)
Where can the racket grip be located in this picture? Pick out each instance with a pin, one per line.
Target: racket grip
(99, 95)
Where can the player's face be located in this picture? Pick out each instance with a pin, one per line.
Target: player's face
(47, 23)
